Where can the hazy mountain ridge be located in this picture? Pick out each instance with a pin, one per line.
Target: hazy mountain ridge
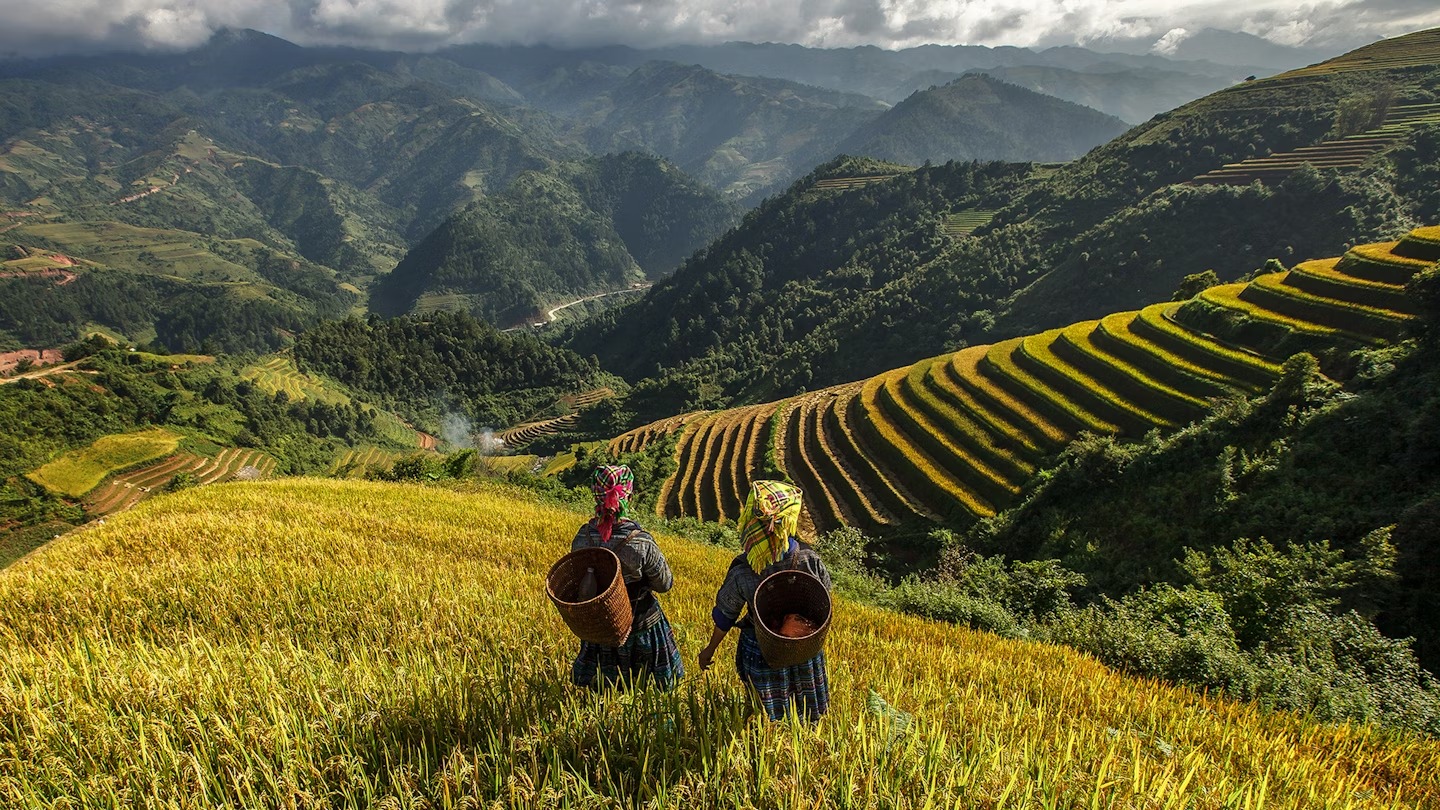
(982, 118)
(603, 224)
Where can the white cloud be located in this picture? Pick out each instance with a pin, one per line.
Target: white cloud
(1167, 45)
(65, 25)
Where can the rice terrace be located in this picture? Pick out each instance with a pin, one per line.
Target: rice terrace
(962, 432)
(616, 407)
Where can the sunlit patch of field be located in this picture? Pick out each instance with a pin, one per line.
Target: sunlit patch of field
(390, 645)
(79, 471)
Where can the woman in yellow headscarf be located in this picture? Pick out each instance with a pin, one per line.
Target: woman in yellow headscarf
(770, 543)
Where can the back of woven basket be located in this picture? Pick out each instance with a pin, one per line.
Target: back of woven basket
(604, 619)
(783, 593)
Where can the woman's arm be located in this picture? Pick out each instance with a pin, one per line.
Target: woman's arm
(655, 569)
(707, 655)
(730, 601)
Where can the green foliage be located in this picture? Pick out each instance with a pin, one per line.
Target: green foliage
(1261, 586)
(427, 467)
(578, 229)
(712, 329)
(443, 363)
(182, 480)
(1194, 284)
(1320, 470)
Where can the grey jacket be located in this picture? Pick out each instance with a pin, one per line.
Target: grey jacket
(642, 564)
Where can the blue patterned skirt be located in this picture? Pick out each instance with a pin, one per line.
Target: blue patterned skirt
(649, 656)
(802, 685)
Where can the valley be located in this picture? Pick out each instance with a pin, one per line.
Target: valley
(1116, 425)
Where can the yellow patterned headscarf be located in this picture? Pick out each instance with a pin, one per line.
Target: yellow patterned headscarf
(770, 518)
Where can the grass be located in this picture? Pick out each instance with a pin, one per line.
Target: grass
(835, 462)
(820, 503)
(371, 645)
(1380, 263)
(1077, 346)
(880, 494)
(1321, 278)
(926, 390)
(968, 468)
(1228, 296)
(1015, 419)
(1000, 365)
(1037, 355)
(79, 471)
(1352, 320)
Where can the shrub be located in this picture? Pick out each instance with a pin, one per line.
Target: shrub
(949, 602)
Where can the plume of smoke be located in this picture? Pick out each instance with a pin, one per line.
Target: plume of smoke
(488, 443)
(457, 431)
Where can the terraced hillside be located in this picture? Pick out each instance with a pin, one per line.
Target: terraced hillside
(354, 463)
(1344, 153)
(520, 435)
(848, 183)
(964, 223)
(125, 490)
(957, 436)
(1420, 49)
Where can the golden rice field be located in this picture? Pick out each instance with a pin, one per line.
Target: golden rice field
(957, 436)
(79, 471)
(384, 645)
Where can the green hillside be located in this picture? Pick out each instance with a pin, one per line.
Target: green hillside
(742, 135)
(585, 228)
(959, 435)
(432, 367)
(108, 428)
(1118, 446)
(1115, 230)
(1131, 94)
(374, 645)
(981, 118)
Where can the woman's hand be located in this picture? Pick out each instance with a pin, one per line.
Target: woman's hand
(707, 655)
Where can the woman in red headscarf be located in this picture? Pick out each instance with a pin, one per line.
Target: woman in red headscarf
(650, 654)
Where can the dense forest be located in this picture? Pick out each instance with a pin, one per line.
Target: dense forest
(448, 362)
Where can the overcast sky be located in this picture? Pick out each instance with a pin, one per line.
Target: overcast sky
(30, 27)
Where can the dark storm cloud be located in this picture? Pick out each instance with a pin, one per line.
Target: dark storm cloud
(71, 25)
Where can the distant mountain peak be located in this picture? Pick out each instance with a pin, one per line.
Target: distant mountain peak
(249, 38)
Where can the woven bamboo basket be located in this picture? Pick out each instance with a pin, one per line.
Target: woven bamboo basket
(604, 619)
(785, 592)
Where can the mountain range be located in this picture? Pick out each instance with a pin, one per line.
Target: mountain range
(250, 152)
